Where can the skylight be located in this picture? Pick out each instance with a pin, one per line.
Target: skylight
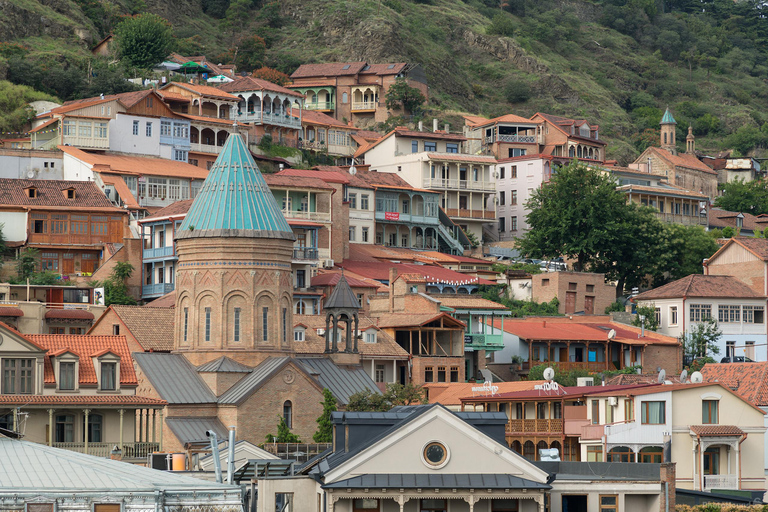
(346, 67)
(391, 66)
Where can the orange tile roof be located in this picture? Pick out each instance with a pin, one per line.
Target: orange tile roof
(467, 302)
(326, 176)
(452, 393)
(178, 208)
(151, 326)
(666, 190)
(203, 90)
(79, 399)
(332, 277)
(50, 193)
(295, 181)
(683, 160)
(207, 119)
(328, 69)
(44, 125)
(174, 97)
(87, 346)
(122, 189)
(166, 301)
(717, 430)
(476, 121)
(136, 165)
(395, 320)
(697, 285)
(750, 380)
(757, 246)
(314, 117)
(719, 218)
(249, 83)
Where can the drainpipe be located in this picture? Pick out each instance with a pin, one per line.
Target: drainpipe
(215, 453)
(743, 438)
(231, 455)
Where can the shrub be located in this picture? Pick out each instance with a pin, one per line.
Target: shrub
(501, 25)
(517, 91)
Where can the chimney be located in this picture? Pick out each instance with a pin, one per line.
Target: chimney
(392, 277)
(116, 453)
(421, 126)
(447, 128)
(434, 124)
(544, 324)
(667, 479)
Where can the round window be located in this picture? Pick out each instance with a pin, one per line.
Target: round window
(435, 454)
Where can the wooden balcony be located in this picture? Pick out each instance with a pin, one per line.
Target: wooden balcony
(592, 431)
(537, 426)
(455, 184)
(86, 142)
(320, 105)
(205, 148)
(470, 214)
(363, 106)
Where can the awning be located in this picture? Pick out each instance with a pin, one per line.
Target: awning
(716, 430)
(8, 311)
(437, 481)
(304, 223)
(68, 314)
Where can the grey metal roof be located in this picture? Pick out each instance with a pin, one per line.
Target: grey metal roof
(342, 296)
(343, 382)
(566, 470)
(437, 481)
(174, 378)
(224, 364)
(194, 429)
(32, 467)
(250, 383)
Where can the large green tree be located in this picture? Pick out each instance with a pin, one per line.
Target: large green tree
(701, 339)
(682, 251)
(116, 287)
(324, 432)
(749, 197)
(400, 94)
(144, 39)
(395, 394)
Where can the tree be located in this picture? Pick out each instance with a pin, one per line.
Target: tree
(368, 401)
(740, 196)
(702, 339)
(26, 263)
(115, 286)
(144, 39)
(284, 434)
(649, 317)
(682, 251)
(395, 395)
(251, 54)
(400, 94)
(15, 112)
(579, 214)
(271, 75)
(324, 432)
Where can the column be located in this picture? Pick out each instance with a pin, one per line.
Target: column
(738, 463)
(122, 413)
(357, 327)
(86, 412)
(348, 344)
(154, 425)
(327, 333)
(51, 426)
(693, 464)
(161, 430)
(141, 425)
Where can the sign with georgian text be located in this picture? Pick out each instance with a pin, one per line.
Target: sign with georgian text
(391, 216)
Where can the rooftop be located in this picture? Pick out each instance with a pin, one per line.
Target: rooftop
(249, 83)
(135, 165)
(700, 286)
(53, 193)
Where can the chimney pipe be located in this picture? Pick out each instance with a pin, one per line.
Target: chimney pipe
(231, 455)
(544, 323)
(421, 126)
(434, 124)
(447, 127)
(215, 453)
(392, 277)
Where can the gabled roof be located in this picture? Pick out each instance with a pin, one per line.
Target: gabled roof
(328, 69)
(697, 285)
(50, 193)
(224, 365)
(451, 393)
(342, 296)
(235, 200)
(395, 320)
(314, 344)
(750, 380)
(681, 160)
(188, 429)
(477, 122)
(174, 378)
(757, 246)
(326, 176)
(249, 83)
(315, 117)
(166, 301)
(176, 209)
(331, 278)
(342, 382)
(288, 180)
(260, 375)
(202, 90)
(135, 165)
(719, 218)
(151, 326)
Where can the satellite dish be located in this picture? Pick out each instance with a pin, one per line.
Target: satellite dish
(662, 376)
(697, 377)
(352, 170)
(549, 374)
(683, 376)
(30, 174)
(611, 334)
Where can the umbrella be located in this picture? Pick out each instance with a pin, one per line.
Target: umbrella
(220, 79)
(193, 67)
(168, 66)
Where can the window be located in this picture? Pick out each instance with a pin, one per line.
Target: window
(428, 374)
(101, 130)
(135, 127)
(590, 288)
(430, 146)
(749, 349)
(17, 376)
(288, 413)
(69, 127)
(364, 202)
(77, 330)
(207, 324)
(84, 129)
(451, 147)
(353, 201)
(370, 337)
(513, 224)
(609, 503)
(180, 155)
(379, 374)
(186, 322)
(454, 374)
(673, 315)
(572, 286)
(236, 326)
(545, 282)
(414, 146)
(501, 173)
(49, 261)
(753, 314)
(364, 237)
(608, 413)
(594, 454)
(39, 225)
(165, 128)
(434, 504)
(149, 130)
(657, 315)
(285, 325)
(94, 428)
(351, 233)
(502, 198)
(65, 428)
(513, 198)
(700, 312)
(284, 500)
(502, 226)
(66, 376)
(709, 411)
(55, 330)
(108, 376)
(513, 172)
(728, 314)
(595, 412)
(298, 335)
(629, 409)
(264, 323)
(653, 413)
(620, 454)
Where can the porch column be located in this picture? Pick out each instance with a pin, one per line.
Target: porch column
(738, 460)
(50, 427)
(701, 464)
(141, 425)
(161, 430)
(122, 413)
(693, 465)
(327, 334)
(154, 424)
(357, 327)
(146, 426)
(530, 355)
(16, 419)
(87, 413)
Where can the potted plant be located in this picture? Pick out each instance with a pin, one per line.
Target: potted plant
(517, 363)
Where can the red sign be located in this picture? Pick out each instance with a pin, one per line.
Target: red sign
(391, 216)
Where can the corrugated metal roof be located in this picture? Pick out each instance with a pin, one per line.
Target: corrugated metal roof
(234, 200)
(437, 481)
(343, 382)
(174, 378)
(30, 467)
(224, 364)
(194, 429)
(250, 383)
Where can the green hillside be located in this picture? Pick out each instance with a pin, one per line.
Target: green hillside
(618, 63)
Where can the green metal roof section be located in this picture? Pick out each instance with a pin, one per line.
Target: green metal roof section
(668, 119)
(234, 200)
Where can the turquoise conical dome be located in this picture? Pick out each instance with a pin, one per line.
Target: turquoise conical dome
(234, 200)
(668, 119)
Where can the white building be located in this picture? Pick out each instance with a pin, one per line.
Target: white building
(516, 179)
(163, 137)
(30, 164)
(738, 310)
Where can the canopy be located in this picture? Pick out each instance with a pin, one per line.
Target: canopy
(193, 67)
(220, 79)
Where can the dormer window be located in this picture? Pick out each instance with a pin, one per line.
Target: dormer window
(108, 376)
(31, 192)
(107, 366)
(370, 336)
(67, 379)
(298, 334)
(69, 193)
(740, 220)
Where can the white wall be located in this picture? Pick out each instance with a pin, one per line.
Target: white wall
(47, 165)
(76, 170)
(122, 139)
(14, 226)
(530, 176)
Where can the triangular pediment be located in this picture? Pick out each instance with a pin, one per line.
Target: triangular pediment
(469, 451)
(13, 342)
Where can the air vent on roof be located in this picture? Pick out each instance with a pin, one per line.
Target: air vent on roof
(346, 67)
(391, 66)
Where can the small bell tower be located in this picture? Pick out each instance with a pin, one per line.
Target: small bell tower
(668, 127)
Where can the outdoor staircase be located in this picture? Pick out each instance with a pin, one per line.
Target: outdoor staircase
(451, 239)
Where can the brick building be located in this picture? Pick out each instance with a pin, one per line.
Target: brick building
(578, 292)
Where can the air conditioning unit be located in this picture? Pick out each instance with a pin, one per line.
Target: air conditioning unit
(320, 332)
(160, 461)
(496, 175)
(585, 381)
(613, 401)
(328, 264)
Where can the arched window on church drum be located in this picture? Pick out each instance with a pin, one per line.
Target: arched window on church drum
(288, 413)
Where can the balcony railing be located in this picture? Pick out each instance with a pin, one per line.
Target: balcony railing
(527, 139)
(158, 252)
(321, 105)
(156, 289)
(179, 142)
(298, 214)
(592, 431)
(406, 218)
(721, 482)
(455, 184)
(86, 142)
(470, 214)
(305, 253)
(477, 341)
(333, 149)
(687, 220)
(544, 426)
(130, 450)
(363, 105)
(205, 148)
(280, 119)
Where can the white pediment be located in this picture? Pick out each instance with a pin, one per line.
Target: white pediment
(469, 452)
(12, 342)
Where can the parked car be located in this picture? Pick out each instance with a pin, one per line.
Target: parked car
(736, 359)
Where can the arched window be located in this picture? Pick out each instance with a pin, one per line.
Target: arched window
(288, 413)
(529, 450)
(651, 454)
(571, 152)
(542, 445)
(621, 454)
(665, 138)
(517, 447)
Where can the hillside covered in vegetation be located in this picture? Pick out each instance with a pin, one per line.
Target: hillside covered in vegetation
(617, 63)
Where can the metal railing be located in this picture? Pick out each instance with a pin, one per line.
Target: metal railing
(305, 253)
(470, 214)
(157, 289)
(300, 452)
(205, 148)
(320, 105)
(721, 482)
(298, 214)
(158, 252)
(456, 184)
(129, 451)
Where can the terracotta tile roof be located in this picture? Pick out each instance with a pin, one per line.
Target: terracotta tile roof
(571, 391)
(467, 302)
(249, 83)
(151, 326)
(44, 125)
(326, 176)
(8, 311)
(697, 285)
(172, 210)
(86, 346)
(315, 117)
(382, 179)
(368, 135)
(416, 319)
(439, 135)
(173, 97)
(328, 69)
(452, 393)
(424, 273)
(718, 218)
(331, 278)
(459, 157)
(69, 314)
(287, 180)
(757, 246)
(122, 189)
(385, 346)
(476, 121)
(80, 399)
(314, 83)
(203, 90)
(166, 301)
(683, 160)
(750, 380)
(384, 69)
(51, 193)
(716, 430)
(626, 379)
(665, 190)
(135, 165)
